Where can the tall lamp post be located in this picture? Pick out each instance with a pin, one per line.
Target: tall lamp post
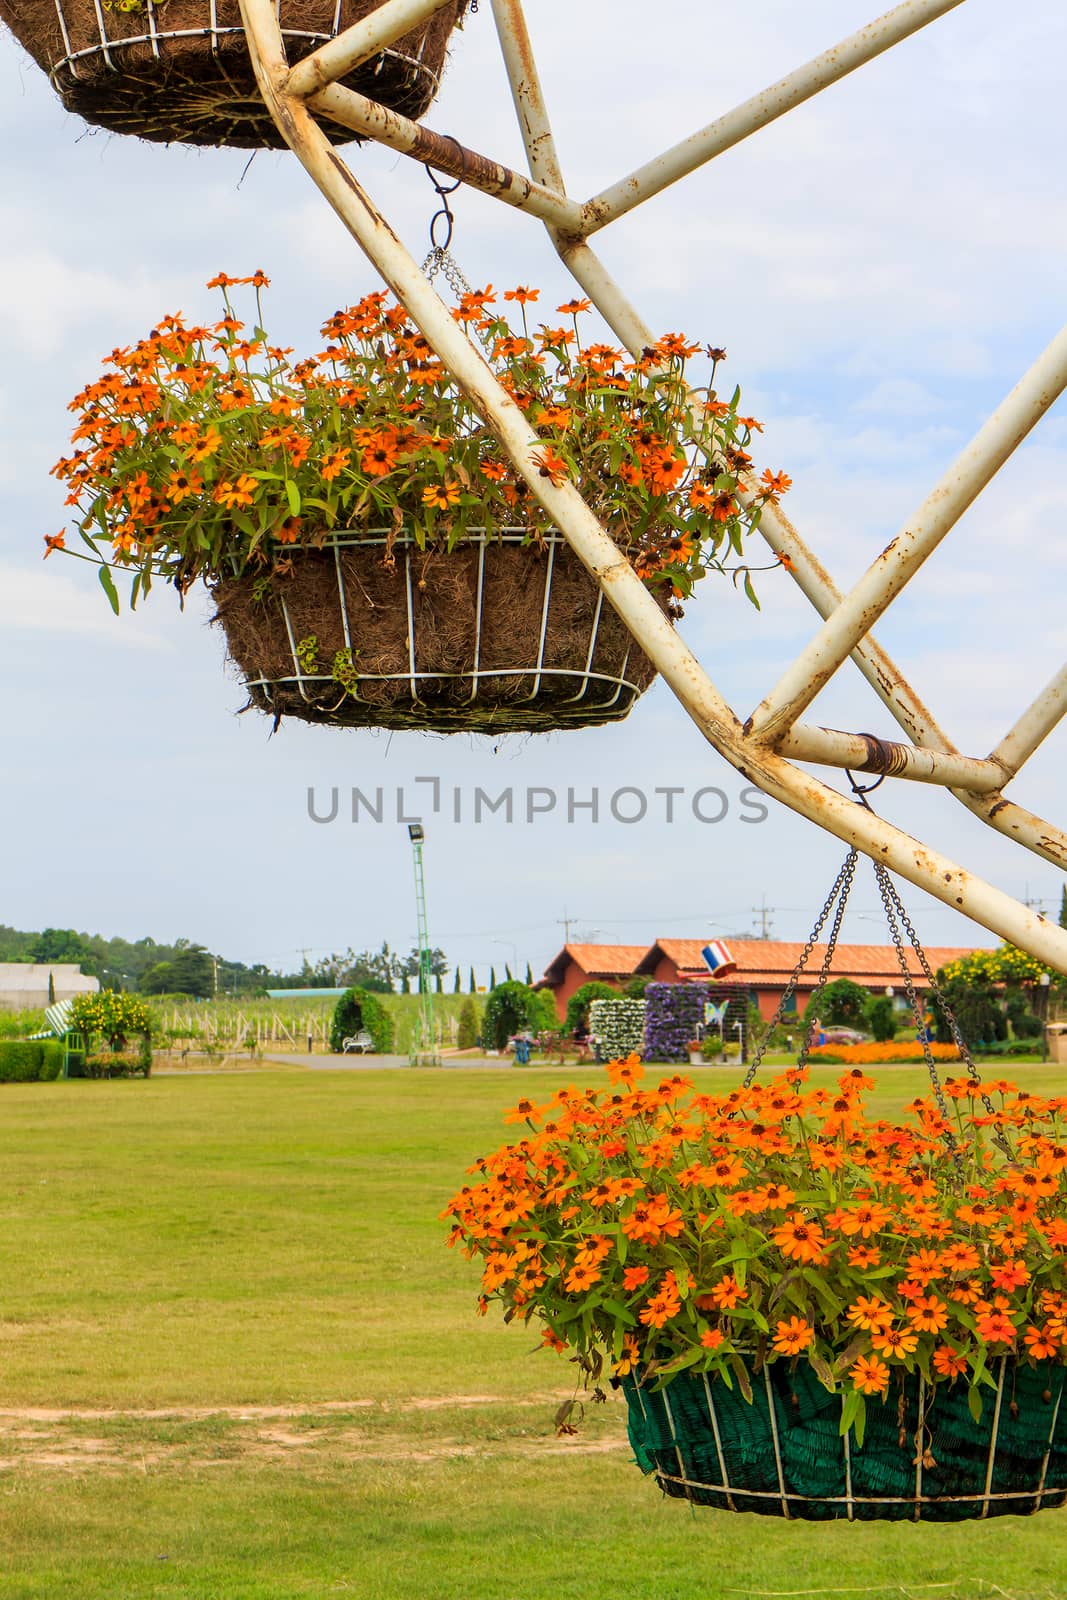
(424, 1035)
(1044, 982)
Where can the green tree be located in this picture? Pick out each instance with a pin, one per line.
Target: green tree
(580, 1001)
(157, 979)
(881, 1017)
(1063, 906)
(467, 1036)
(635, 987)
(842, 1004)
(511, 1007)
(64, 945)
(361, 1008)
(193, 972)
(456, 985)
(115, 1017)
(529, 976)
(472, 987)
(976, 1008)
(492, 979)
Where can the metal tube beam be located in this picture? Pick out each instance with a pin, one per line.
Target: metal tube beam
(880, 671)
(902, 558)
(358, 43)
(527, 94)
(597, 550)
(1035, 724)
(864, 752)
(356, 111)
(728, 130)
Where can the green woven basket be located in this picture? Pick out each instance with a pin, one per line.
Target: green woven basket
(783, 1455)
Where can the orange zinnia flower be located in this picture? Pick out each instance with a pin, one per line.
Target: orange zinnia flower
(949, 1362)
(792, 1336)
(206, 445)
(441, 495)
(869, 1375)
(799, 1240)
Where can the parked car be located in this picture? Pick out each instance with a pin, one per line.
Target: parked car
(844, 1036)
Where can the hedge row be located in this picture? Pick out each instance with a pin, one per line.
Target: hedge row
(30, 1060)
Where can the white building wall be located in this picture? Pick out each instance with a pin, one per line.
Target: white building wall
(24, 984)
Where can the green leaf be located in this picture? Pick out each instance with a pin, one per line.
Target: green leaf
(109, 589)
(822, 1371)
(974, 1402)
(750, 592)
(850, 1404)
(294, 496)
(741, 1373)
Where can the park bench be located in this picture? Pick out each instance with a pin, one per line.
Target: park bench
(359, 1044)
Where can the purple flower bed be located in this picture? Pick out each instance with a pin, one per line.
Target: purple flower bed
(674, 1015)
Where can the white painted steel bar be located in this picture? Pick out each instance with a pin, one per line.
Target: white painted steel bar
(1035, 724)
(359, 43)
(901, 559)
(599, 554)
(761, 109)
(526, 93)
(356, 111)
(885, 678)
(864, 752)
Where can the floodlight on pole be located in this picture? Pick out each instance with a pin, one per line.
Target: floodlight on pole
(424, 1036)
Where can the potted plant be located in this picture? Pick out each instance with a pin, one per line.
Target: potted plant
(375, 559)
(696, 1053)
(179, 70)
(811, 1312)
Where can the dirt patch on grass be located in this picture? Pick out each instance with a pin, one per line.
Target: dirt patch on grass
(415, 1429)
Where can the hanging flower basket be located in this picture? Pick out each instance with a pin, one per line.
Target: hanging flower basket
(179, 70)
(501, 634)
(812, 1313)
(778, 1450)
(375, 558)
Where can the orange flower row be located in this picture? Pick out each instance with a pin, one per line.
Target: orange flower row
(656, 1227)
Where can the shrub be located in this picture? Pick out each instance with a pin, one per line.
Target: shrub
(510, 1008)
(881, 1017)
(20, 1060)
(1013, 1047)
(467, 1036)
(51, 1059)
(358, 1008)
(578, 1005)
(842, 1004)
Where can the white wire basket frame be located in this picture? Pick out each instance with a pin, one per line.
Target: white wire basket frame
(538, 693)
(766, 745)
(925, 1502)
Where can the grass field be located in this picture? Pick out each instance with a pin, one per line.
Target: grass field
(237, 1362)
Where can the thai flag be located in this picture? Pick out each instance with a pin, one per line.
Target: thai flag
(718, 960)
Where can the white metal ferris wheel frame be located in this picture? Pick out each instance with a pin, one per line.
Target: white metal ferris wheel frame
(765, 747)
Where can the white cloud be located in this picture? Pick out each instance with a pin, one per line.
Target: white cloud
(48, 601)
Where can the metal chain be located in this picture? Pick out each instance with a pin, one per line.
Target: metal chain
(843, 882)
(891, 902)
(440, 261)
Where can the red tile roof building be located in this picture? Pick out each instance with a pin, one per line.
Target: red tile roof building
(763, 967)
(576, 964)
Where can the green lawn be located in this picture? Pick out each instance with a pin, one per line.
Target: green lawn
(237, 1362)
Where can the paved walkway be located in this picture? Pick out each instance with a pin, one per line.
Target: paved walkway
(354, 1063)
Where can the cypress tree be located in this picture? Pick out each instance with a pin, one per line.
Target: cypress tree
(1063, 906)
(473, 987)
(492, 979)
(529, 976)
(455, 986)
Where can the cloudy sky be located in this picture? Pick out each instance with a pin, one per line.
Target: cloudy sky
(881, 265)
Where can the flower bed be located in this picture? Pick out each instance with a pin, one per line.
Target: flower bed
(896, 1052)
(656, 1232)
